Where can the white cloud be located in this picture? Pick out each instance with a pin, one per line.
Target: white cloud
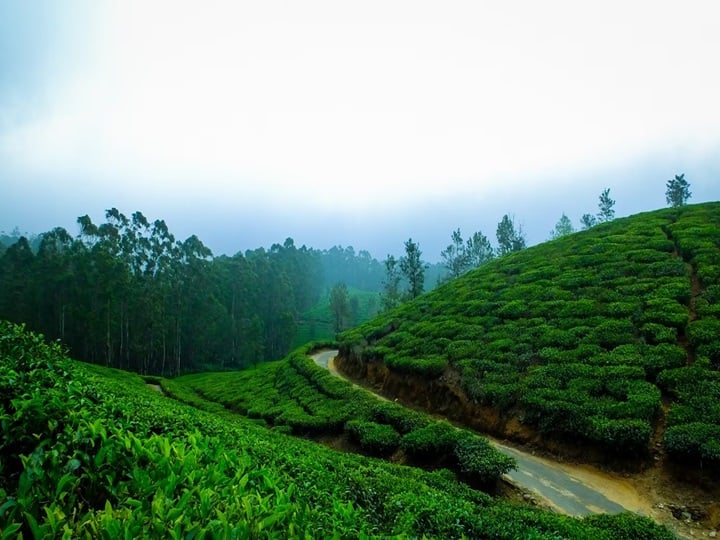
(349, 105)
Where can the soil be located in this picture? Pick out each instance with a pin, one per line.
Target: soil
(687, 502)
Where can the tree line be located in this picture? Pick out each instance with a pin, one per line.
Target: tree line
(461, 256)
(126, 293)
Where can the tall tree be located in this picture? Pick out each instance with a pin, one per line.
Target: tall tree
(413, 269)
(606, 207)
(588, 221)
(562, 228)
(391, 284)
(678, 191)
(339, 306)
(455, 257)
(509, 239)
(478, 250)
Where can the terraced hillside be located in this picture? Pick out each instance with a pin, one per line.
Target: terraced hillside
(607, 340)
(91, 452)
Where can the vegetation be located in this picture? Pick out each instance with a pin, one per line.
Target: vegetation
(678, 191)
(582, 336)
(298, 396)
(509, 237)
(460, 257)
(413, 269)
(126, 293)
(318, 322)
(88, 451)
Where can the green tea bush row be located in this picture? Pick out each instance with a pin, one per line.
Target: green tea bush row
(114, 459)
(639, 292)
(375, 439)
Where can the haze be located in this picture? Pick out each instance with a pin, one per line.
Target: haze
(357, 123)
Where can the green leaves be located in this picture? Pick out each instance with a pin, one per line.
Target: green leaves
(118, 460)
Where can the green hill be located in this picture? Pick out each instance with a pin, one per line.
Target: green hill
(577, 341)
(93, 452)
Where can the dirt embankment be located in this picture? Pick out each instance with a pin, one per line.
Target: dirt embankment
(444, 396)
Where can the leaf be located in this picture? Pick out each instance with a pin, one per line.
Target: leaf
(10, 531)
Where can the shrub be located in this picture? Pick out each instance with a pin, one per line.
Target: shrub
(479, 460)
(376, 439)
(704, 331)
(402, 419)
(697, 441)
(430, 442)
(621, 436)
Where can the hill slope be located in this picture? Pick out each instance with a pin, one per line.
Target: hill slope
(93, 452)
(578, 341)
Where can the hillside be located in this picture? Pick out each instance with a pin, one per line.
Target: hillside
(88, 451)
(604, 344)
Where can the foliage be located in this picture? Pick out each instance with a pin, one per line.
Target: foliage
(508, 237)
(606, 210)
(678, 191)
(339, 305)
(562, 228)
(413, 269)
(579, 337)
(375, 439)
(391, 285)
(92, 452)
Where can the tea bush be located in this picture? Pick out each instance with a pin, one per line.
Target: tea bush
(642, 292)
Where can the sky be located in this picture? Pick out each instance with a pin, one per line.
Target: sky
(353, 123)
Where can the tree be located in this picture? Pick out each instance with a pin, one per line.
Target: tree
(478, 250)
(455, 257)
(391, 284)
(588, 221)
(509, 239)
(605, 205)
(413, 269)
(339, 306)
(562, 228)
(678, 191)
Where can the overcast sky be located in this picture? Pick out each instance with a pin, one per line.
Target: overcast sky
(353, 123)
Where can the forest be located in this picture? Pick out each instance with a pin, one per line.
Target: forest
(127, 294)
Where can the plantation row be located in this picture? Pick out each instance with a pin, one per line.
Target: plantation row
(297, 396)
(579, 337)
(93, 452)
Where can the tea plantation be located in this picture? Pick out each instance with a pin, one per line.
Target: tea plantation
(581, 338)
(90, 452)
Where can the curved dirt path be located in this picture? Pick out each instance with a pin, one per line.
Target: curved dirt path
(568, 489)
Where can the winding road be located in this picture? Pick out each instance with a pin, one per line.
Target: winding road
(568, 489)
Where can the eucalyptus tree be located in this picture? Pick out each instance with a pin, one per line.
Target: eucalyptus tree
(17, 273)
(588, 221)
(455, 257)
(509, 238)
(606, 207)
(413, 269)
(391, 284)
(478, 250)
(55, 266)
(678, 191)
(339, 306)
(562, 228)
